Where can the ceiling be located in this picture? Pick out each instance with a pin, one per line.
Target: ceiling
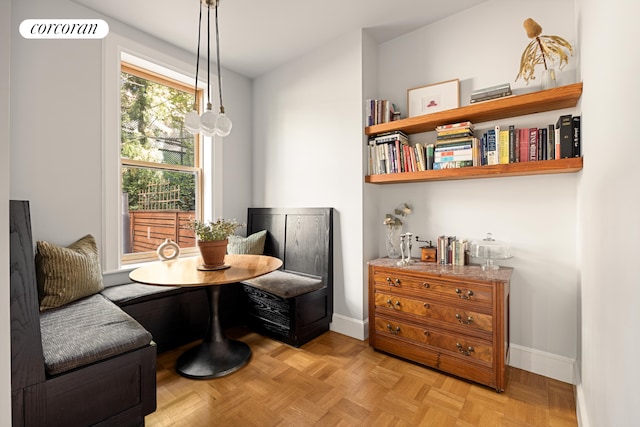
(256, 36)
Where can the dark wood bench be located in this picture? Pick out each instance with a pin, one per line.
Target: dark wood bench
(293, 304)
(67, 367)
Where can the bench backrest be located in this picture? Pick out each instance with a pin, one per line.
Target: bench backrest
(301, 237)
(27, 360)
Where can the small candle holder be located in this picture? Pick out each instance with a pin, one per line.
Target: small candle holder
(406, 244)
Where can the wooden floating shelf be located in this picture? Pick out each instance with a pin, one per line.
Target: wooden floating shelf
(541, 167)
(502, 108)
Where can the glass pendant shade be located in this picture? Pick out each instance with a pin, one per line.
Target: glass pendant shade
(192, 122)
(208, 123)
(223, 125)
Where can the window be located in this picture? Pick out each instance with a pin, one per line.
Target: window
(160, 163)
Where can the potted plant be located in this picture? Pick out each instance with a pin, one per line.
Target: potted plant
(212, 238)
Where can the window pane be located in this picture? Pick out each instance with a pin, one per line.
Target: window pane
(152, 118)
(158, 205)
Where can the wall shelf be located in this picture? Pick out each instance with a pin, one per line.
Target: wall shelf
(540, 167)
(502, 108)
(512, 106)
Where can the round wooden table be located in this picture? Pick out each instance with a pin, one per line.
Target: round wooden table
(217, 355)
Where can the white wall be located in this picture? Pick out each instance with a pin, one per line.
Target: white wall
(308, 152)
(5, 338)
(536, 215)
(608, 206)
(57, 160)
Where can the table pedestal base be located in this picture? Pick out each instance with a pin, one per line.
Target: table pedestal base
(217, 356)
(213, 359)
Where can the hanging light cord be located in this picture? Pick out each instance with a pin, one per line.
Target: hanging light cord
(218, 59)
(208, 57)
(195, 85)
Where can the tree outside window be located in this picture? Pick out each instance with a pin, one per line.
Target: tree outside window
(160, 163)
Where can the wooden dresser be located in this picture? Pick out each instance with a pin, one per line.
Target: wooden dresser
(451, 318)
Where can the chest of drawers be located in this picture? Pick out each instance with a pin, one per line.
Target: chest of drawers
(451, 318)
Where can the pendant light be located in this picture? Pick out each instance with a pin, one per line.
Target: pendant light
(209, 123)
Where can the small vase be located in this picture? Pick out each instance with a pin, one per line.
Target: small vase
(393, 241)
(168, 250)
(549, 76)
(213, 252)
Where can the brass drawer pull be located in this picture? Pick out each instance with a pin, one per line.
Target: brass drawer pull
(395, 331)
(426, 285)
(464, 322)
(425, 305)
(390, 303)
(391, 282)
(461, 295)
(466, 352)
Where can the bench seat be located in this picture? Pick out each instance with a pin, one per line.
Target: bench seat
(87, 331)
(285, 284)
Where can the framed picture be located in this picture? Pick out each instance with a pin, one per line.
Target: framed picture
(433, 98)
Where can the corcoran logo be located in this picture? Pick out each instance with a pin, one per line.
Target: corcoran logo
(64, 29)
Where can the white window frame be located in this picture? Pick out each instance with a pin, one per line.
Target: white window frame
(117, 48)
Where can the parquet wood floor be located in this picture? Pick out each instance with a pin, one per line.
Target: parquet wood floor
(336, 380)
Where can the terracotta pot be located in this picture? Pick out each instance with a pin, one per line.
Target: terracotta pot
(213, 252)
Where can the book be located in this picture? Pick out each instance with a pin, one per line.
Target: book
(489, 97)
(492, 92)
(512, 144)
(542, 143)
(551, 142)
(492, 147)
(466, 139)
(575, 126)
(429, 151)
(523, 147)
(503, 87)
(566, 139)
(452, 147)
(452, 164)
(533, 144)
(466, 124)
(451, 155)
(503, 146)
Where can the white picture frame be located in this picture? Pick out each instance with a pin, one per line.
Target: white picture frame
(433, 98)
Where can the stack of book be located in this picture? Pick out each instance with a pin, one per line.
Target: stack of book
(380, 111)
(492, 92)
(452, 251)
(389, 153)
(455, 147)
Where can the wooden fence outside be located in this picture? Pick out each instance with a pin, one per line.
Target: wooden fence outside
(148, 229)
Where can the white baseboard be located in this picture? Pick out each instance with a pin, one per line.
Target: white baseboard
(581, 405)
(542, 363)
(354, 328)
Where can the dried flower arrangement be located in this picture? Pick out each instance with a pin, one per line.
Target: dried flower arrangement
(540, 49)
(395, 219)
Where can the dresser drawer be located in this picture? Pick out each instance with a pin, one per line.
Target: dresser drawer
(461, 345)
(463, 291)
(421, 308)
(442, 361)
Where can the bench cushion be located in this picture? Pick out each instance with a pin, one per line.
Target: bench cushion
(86, 331)
(128, 292)
(284, 284)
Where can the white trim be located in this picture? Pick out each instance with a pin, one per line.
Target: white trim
(550, 365)
(351, 327)
(581, 404)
